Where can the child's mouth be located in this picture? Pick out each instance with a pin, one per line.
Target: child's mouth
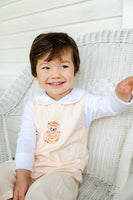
(56, 83)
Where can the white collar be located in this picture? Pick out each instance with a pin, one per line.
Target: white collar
(74, 96)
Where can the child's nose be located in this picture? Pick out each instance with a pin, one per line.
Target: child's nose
(55, 72)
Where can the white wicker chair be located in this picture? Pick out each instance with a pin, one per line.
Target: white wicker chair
(106, 58)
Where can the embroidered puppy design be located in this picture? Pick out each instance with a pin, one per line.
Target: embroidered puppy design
(52, 135)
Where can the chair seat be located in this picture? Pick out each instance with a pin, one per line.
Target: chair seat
(93, 188)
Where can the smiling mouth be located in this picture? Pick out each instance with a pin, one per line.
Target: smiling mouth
(56, 84)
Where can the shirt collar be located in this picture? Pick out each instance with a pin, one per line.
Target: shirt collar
(74, 96)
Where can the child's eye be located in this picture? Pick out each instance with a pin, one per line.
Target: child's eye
(46, 68)
(64, 66)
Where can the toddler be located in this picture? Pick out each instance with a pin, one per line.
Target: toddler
(52, 143)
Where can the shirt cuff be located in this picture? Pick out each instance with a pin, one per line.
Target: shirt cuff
(117, 104)
(24, 161)
(124, 102)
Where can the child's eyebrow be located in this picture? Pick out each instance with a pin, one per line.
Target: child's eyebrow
(46, 62)
(43, 62)
(65, 61)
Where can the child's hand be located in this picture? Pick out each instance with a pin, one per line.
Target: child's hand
(23, 181)
(124, 89)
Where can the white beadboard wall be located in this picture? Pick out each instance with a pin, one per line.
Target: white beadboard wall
(22, 20)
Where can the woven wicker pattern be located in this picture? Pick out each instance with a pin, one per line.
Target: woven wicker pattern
(4, 147)
(96, 189)
(106, 58)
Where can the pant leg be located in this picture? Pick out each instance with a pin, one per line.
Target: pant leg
(7, 179)
(57, 186)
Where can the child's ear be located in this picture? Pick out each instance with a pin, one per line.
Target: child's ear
(75, 74)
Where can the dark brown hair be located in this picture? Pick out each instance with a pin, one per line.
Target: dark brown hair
(53, 43)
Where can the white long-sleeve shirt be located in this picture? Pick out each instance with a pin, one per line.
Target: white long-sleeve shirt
(95, 107)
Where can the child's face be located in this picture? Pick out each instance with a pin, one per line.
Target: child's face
(56, 76)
